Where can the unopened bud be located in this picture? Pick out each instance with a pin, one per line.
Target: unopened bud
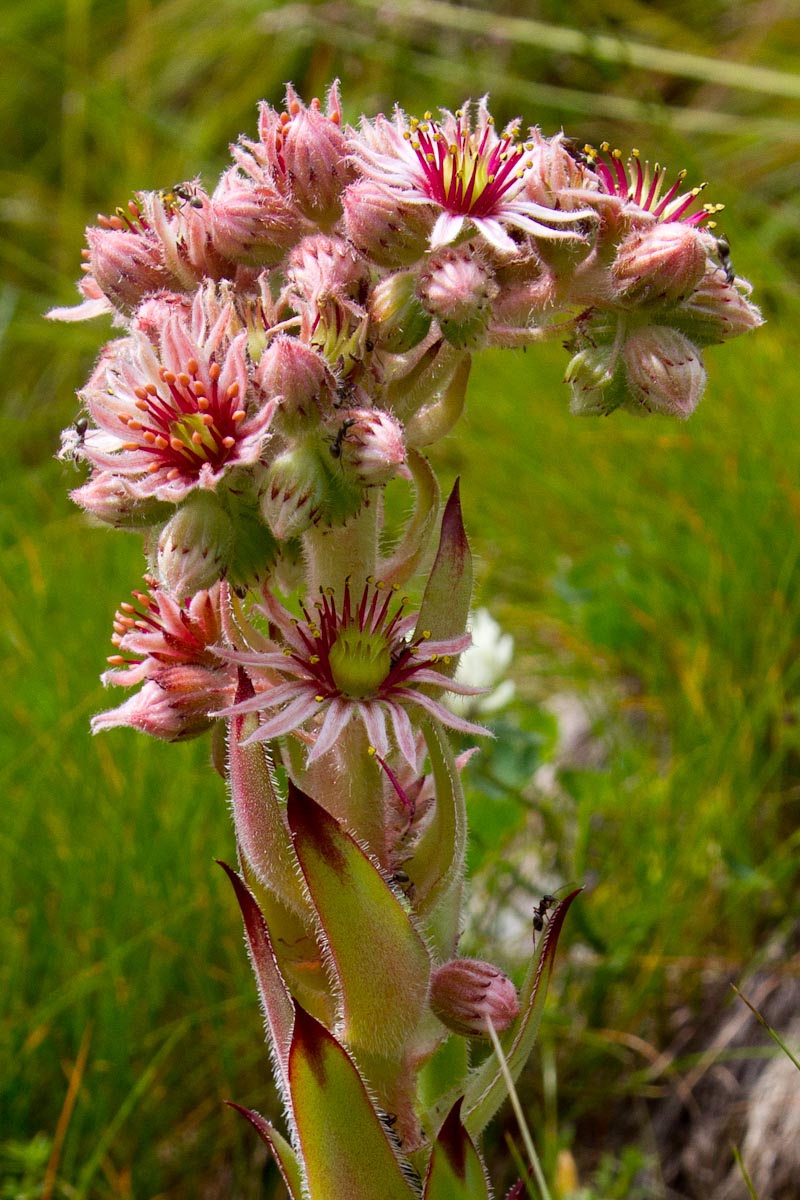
(457, 288)
(295, 491)
(665, 371)
(195, 546)
(399, 322)
(466, 994)
(596, 381)
(314, 155)
(127, 265)
(174, 705)
(385, 230)
(298, 377)
(369, 443)
(662, 263)
(252, 222)
(716, 311)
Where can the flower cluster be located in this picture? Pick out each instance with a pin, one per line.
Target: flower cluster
(289, 344)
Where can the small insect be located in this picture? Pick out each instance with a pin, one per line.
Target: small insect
(179, 194)
(337, 441)
(72, 441)
(540, 912)
(724, 256)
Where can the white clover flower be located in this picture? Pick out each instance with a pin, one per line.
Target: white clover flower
(483, 665)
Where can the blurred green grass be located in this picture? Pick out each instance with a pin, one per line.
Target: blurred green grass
(657, 563)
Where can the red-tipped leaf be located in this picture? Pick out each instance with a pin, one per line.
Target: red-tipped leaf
(487, 1090)
(281, 1151)
(381, 964)
(455, 1170)
(344, 1148)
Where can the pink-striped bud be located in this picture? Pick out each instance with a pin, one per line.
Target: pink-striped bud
(252, 222)
(466, 994)
(127, 265)
(716, 311)
(387, 231)
(173, 705)
(322, 268)
(664, 370)
(369, 443)
(107, 497)
(298, 377)
(295, 491)
(457, 288)
(195, 545)
(660, 264)
(308, 154)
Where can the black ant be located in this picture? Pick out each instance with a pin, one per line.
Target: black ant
(540, 912)
(341, 433)
(724, 256)
(180, 194)
(72, 441)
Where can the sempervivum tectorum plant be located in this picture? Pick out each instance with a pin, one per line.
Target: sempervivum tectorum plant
(290, 344)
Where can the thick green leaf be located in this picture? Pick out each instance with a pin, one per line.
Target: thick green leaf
(258, 813)
(282, 1152)
(487, 1090)
(455, 1171)
(381, 964)
(437, 866)
(276, 1002)
(344, 1147)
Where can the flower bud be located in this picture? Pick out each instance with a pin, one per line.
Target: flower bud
(295, 491)
(658, 264)
(252, 222)
(369, 443)
(716, 311)
(466, 994)
(457, 288)
(308, 152)
(596, 381)
(127, 265)
(322, 267)
(195, 546)
(664, 370)
(298, 377)
(173, 705)
(398, 320)
(385, 230)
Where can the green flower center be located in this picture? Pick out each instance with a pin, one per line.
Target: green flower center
(359, 662)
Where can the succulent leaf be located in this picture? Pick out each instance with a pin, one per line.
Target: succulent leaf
(282, 1152)
(455, 1171)
(381, 963)
(258, 814)
(344, 1146)
(276, 1001)
(448, 592)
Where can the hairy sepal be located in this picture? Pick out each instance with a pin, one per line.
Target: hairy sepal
(281, 1151)
(455, 1170)
(344, 1147)
(487, 1090)
(380, 962)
